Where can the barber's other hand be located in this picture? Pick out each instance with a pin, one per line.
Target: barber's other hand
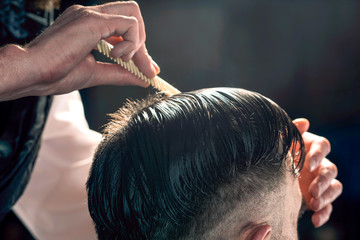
(317, 178)
(59, 60)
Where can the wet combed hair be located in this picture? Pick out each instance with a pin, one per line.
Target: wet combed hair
(174, 168)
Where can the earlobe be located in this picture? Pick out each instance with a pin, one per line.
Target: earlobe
(261, 232)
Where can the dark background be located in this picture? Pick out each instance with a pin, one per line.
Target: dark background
(305, 55)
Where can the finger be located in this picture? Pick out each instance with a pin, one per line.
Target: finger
(91, 73)
(326, 173)
(302, 124)
(328, 196)
(117, 40)
(319, 218)
(98, 26)
(130, 9)
(141, 59)
(113, 74)
(103, 26)
(317, 148)
(126, 48)
(145, 63)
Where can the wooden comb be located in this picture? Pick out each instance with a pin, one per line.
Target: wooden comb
(157, 82)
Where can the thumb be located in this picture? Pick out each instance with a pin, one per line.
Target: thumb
(302, 124)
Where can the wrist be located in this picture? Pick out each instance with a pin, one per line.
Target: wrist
(17, 71)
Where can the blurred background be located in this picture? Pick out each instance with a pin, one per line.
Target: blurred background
(305, 55)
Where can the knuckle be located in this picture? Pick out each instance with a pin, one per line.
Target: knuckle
(85, 12)
(329, 172)
(90, 18)
(325, 144)
(134, 5)
(339, 186)
(323, 177)
(135, 28)
(133, 20)
(317, 155)
(74, 8)
(334, 169)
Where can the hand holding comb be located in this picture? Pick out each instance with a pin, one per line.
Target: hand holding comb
(157, 82)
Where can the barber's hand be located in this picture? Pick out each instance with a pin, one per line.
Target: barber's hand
(317, 178)
(59, 60)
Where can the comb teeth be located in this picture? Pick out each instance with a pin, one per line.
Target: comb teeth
(157, 82)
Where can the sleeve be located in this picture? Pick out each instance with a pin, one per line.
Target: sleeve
(54, 204)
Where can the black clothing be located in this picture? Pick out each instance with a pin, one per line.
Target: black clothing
(21, 120)
(21, 124)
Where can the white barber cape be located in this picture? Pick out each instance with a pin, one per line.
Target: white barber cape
(54, 204)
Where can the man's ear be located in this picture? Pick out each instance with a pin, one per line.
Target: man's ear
(260, 232)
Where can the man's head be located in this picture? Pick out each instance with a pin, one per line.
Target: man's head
(210, 164)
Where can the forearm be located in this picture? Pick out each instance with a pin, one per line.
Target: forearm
(17, 71)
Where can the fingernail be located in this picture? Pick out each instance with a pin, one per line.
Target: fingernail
(157, 68)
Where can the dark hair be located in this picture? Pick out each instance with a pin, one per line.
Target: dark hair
(172, 168)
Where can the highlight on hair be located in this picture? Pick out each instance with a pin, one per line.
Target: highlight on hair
(173, 167)
(46, 4)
